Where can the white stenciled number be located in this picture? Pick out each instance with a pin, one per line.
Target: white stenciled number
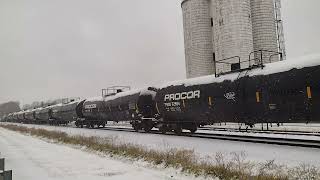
(91, 106)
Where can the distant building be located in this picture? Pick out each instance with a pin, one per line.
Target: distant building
(230, 30)
(9, 107)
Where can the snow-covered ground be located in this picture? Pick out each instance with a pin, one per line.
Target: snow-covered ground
(34, 159)
(291, 156)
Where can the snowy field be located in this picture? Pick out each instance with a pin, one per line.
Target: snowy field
(34, 159)
(291, 156)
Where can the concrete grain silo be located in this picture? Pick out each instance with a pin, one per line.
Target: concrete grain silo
(198, 38)
(232, 32)
(264, 29)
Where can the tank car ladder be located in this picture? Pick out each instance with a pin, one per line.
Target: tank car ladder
(279, 26)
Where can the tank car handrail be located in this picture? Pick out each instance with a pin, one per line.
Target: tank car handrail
(276, 54)
(227, 62)
(222, 61)
(261, 55)
(253, 62)
(113, 90)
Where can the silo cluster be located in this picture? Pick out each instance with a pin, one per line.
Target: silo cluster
(220, 33)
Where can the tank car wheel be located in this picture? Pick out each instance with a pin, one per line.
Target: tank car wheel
(163, 130)
(178, 131)
(136, 127)
(147, 126)
(92, 125)
(193, 130)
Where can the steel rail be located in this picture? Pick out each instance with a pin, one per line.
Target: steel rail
(256, 131)
(240, 138)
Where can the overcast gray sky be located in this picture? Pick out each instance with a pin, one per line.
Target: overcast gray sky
(60, 48)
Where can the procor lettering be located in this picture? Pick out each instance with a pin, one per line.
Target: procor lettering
(182, 96)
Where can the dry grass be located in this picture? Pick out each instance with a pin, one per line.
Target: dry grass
(235, 168)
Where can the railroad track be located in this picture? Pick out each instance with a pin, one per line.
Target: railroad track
(265, 140)
(240, 138)
(291, 132)
(257, 131)
(231, 137)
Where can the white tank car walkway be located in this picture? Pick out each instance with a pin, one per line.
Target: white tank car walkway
(34, 159)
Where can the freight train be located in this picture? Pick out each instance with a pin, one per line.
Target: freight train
(280, 92)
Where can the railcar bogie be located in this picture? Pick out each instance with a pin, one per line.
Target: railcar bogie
(90, 124)
(143, 124)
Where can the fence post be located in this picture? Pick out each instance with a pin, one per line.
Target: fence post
(4, 175)
(2, 164)
(7, 175)
(261, 61)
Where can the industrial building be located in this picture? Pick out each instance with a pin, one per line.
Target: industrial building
(221, 35)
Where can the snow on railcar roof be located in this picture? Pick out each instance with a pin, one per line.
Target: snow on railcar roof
(287, 65)
(121, 94)
(96, 98)
(55, 105)
(73, 102)
(271, 68)
(27, 111)
(146, 91)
